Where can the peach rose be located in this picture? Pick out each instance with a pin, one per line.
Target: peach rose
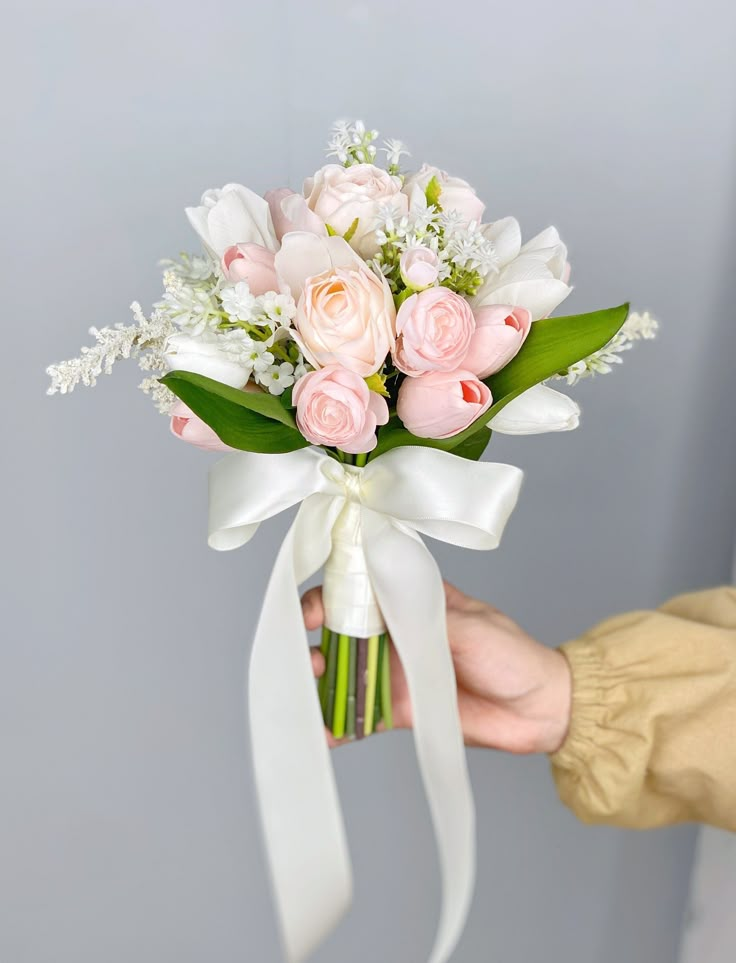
(340, 195)
(346, 316)
(335, 407)
(442, 404)
(455, 193)
(253, 264)
(500, 331)
(433, 332)
(190, 427)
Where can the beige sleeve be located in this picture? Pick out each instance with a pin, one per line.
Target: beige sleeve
(652, 739)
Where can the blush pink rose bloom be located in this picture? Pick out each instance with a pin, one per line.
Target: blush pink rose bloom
(500, 331)
(253, 264)
(340, 195)
(455, 193)
(335, 407)
(419, 268)
(190, 427)
(290, 212)
(442, 404)
(346, 316)
(433, 332)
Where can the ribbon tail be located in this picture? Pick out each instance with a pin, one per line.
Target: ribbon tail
(410, 593)
(300, 812)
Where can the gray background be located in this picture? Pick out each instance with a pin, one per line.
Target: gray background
(127, 824)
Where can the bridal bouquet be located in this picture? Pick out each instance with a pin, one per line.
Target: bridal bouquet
(355, 345)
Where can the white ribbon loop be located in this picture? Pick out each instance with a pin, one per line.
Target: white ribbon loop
(403, 492)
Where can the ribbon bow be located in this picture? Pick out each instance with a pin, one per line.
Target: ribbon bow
(402, 494)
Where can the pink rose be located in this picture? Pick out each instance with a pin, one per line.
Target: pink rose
(346, 316)
(500, 331)
(334, 407)
(419, 268)
(433, 332)
(253, 264)
(340, 195)
(189, 427)
(290, 212)
(455, 193)
(442, 404)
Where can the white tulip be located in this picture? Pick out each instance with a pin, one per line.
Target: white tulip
(232, 215)
(204, 355)
(539, 409)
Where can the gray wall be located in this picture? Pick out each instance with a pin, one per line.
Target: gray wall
(127, 824)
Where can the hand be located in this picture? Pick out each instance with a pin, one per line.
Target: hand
(513, 692)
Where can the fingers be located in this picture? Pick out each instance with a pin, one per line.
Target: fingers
(318, 662)
(312, 608)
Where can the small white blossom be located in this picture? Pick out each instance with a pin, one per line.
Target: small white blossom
(192, 308)
(238, 302)
(278, 308)
(394, 151)
(190, 267)
(277, 377)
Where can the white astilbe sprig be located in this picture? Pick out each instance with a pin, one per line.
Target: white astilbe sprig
(112, 344)
(159, 394)
(637, 327)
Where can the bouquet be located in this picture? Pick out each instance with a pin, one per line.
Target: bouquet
(354, 346)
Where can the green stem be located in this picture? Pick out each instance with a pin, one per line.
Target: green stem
(352, 681)
(360, 460)
(371, 684)
(322, 686)
(386, 708)
(341, 686)
(330, 675)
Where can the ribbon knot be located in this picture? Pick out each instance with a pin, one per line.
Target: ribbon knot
(401, 495)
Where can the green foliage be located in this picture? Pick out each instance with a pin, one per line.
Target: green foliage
(348, 235)
(250, 421)
(432, 192)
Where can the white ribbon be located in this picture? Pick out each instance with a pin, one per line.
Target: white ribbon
(400, 494)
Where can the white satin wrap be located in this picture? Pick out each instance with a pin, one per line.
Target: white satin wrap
(383, 508)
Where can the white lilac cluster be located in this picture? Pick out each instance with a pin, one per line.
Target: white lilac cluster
(637, 327)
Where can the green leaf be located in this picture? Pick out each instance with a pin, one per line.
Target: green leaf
(394, 435)
(432, 192)
(268, 405)
(331, 232)
(552, 346)
(250, 421)
(348, 235)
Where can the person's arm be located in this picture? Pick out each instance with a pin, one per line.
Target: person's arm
(652, 735)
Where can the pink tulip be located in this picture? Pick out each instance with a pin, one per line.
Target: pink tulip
(253, 264)
(442, 404)
(189, 427)
(500, 331)
(290, 212)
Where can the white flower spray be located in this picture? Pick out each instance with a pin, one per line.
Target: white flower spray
(637, 327)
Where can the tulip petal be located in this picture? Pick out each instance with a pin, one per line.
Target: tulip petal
(539, 297)
(240, 216)
(505, 236)
(539, 409)
(304, 255)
